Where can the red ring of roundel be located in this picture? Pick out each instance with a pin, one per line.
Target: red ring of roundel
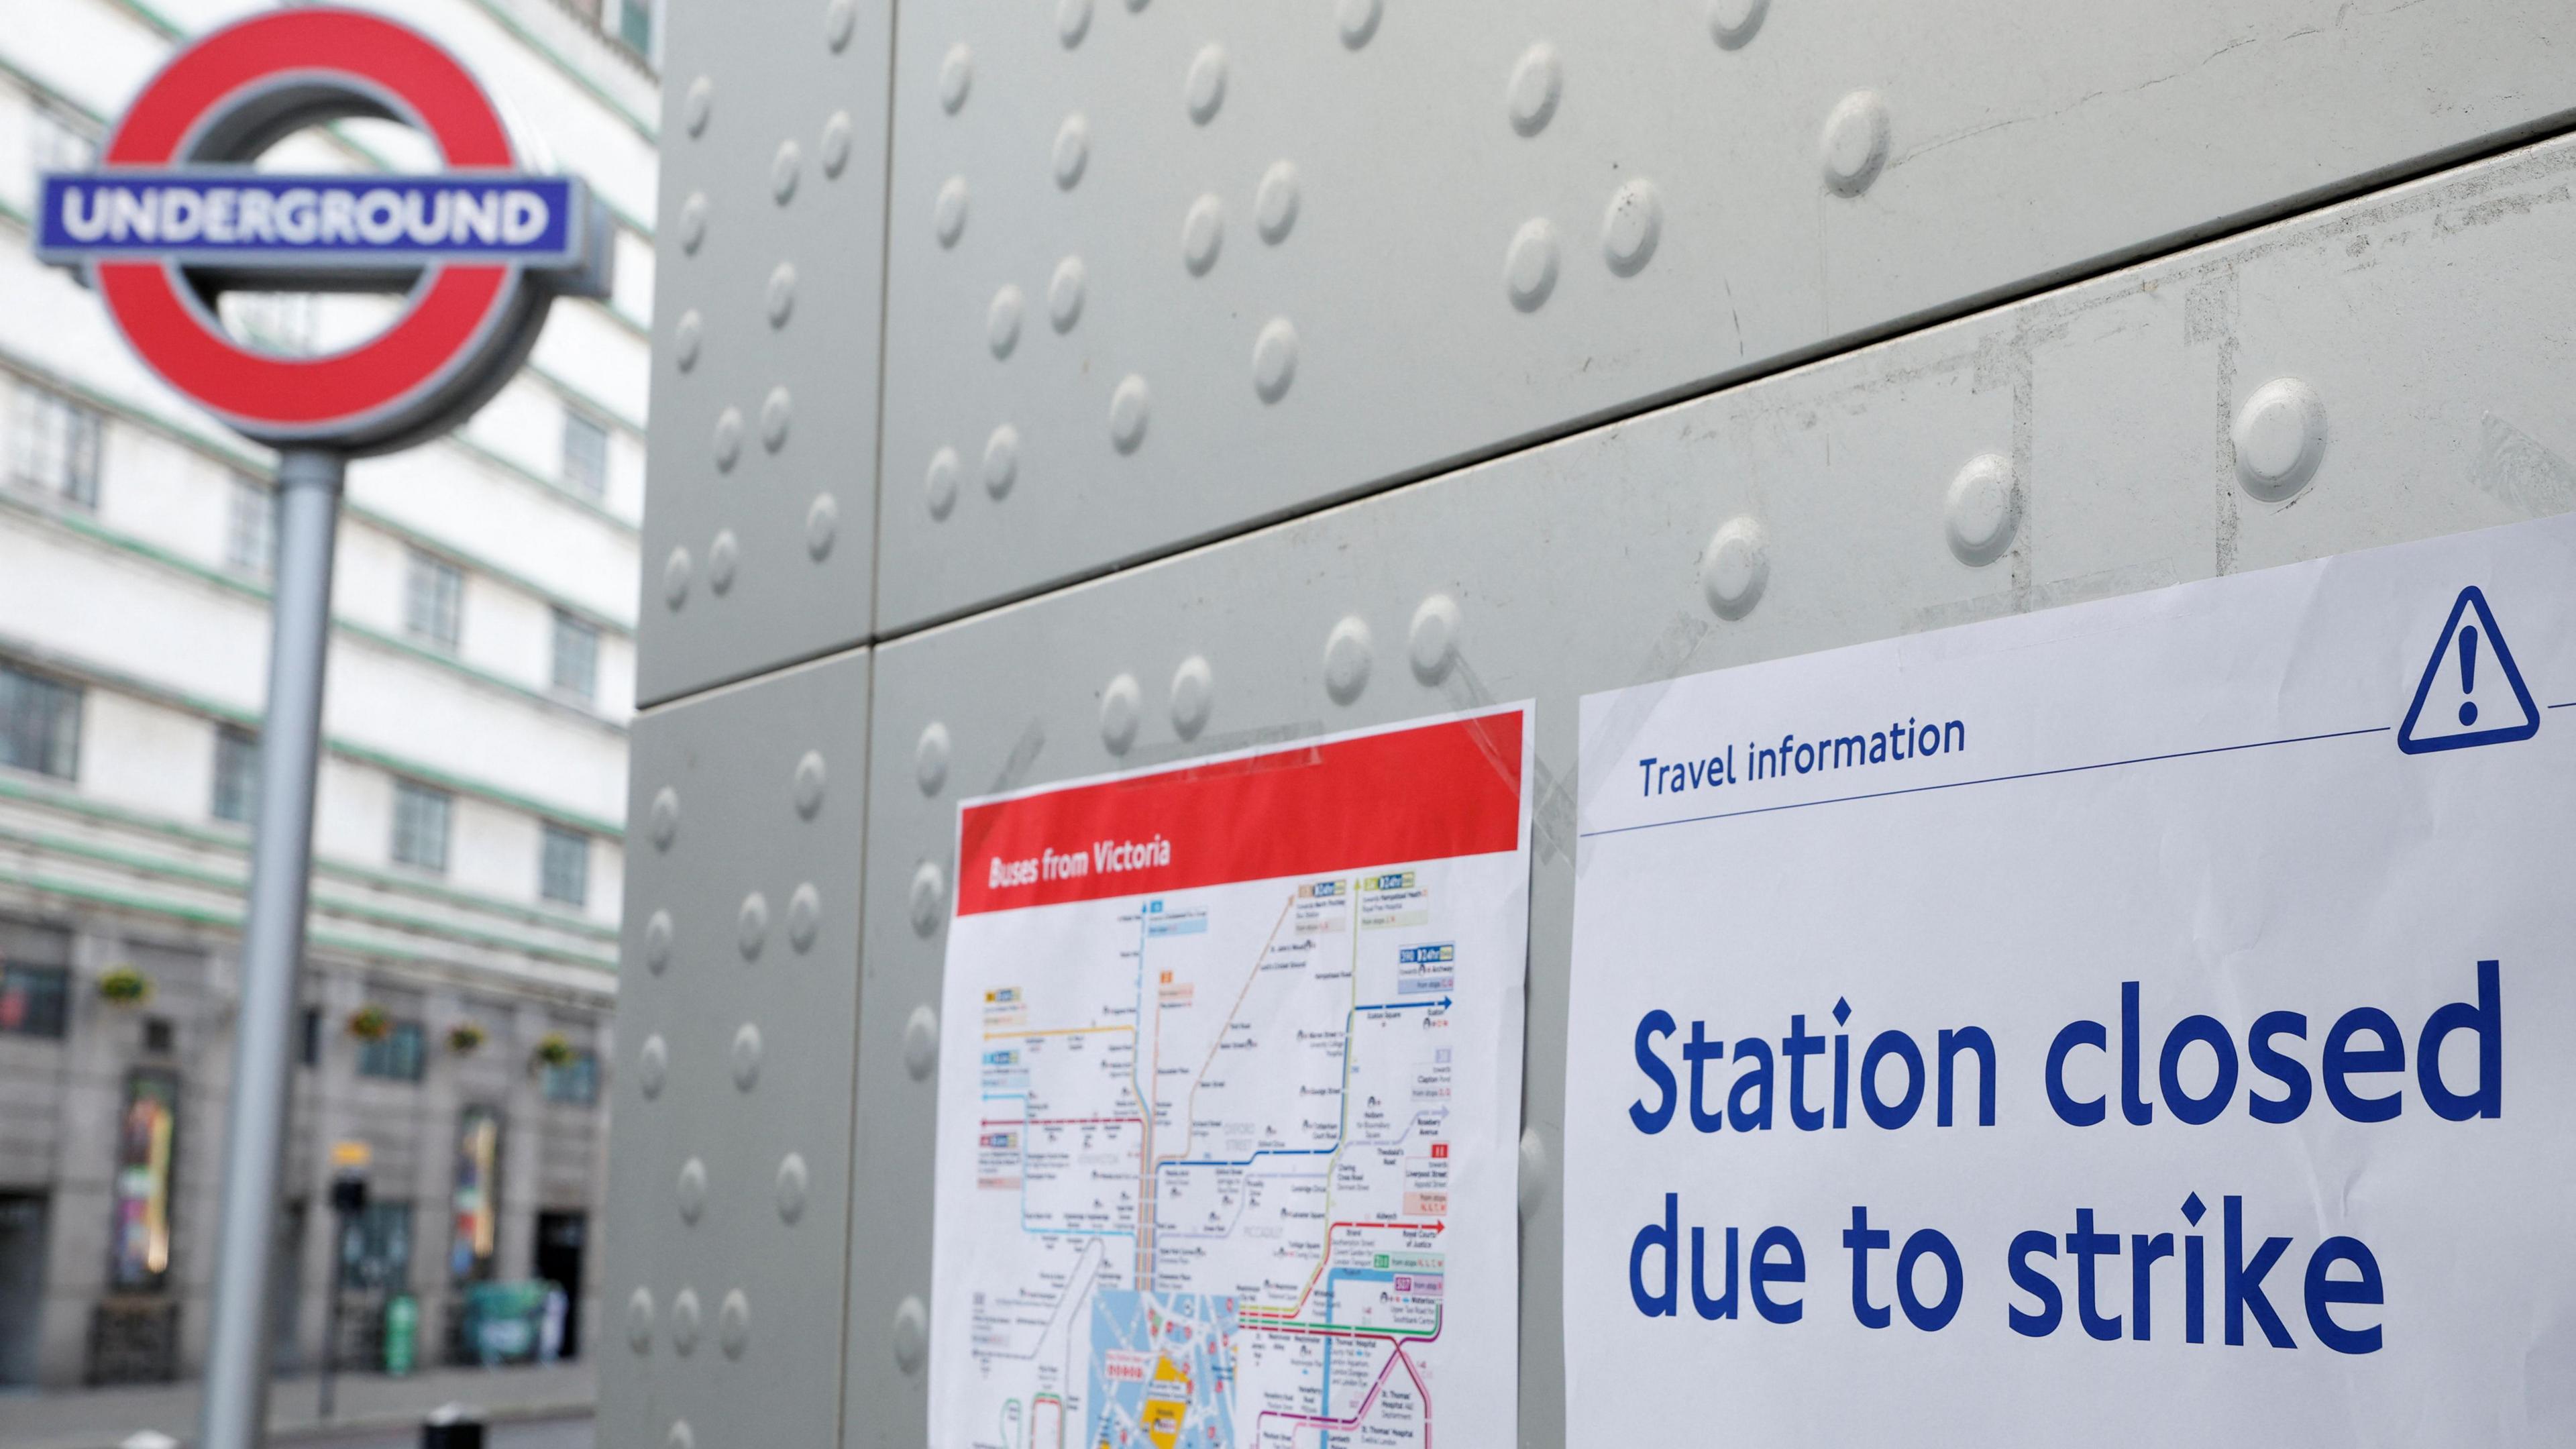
(308, 395)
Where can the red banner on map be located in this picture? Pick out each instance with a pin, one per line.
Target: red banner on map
(1424, 793)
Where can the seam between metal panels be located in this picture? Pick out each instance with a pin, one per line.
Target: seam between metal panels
(858, 1056)
(885, 283)
(2291, 208)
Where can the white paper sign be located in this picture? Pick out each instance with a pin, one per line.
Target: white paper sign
(2146, 1022)
(1229, 1101)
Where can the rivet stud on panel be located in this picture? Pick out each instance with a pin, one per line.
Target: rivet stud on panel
(724, 554)
(684, 1334)
(2280, 437)
(1064, 294)
(1980, 511)
(1536, 82)
(727, 442)
(691, 1191)
(675, 579)
(810, 779)
(791, 1187)
(822, 525)
(1734, 567)
(1274, 359)
(693, 222)
(1433, 640)
(1072, 21)
(1202, 234)
(956, 78)
(639, 1320)
(948, 214)
(746, 1056)
(835, 147)
(840, 19)
(1854, 144)
(652, 1063)
(939, 483)
(657, 941)
(1732, 23)
(685, 339)
(751, 925)
(1002, 321)
(804, 916)
(1001, 460)
(1072, 151)
(665, 817)
(733, 1323)
(1357, 20)
(697, 104)
(911, 1333)
(1274, 202)
(773, 419)
(1529, 266)
(781, 298)
(921, 1043)
(930, 758)
(1193, 696)
(1204, 92)
(1128, 405)
(1632, 226)
(783, 172)
(1120, 704)
(1347, 656)
(929, 890)
(681, 1436)
(1533, 1170)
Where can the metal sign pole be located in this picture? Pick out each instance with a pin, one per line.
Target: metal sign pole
(235, 1414)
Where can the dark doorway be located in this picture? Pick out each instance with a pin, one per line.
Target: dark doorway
(22, 1284)
(286, 1289)
(561, 1237)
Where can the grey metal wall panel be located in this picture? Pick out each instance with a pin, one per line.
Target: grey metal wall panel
(2147, 427)
(760, 516)
(728, 1209)
(1159, 270)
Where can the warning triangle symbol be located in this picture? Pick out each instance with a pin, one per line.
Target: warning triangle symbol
(2471, 693)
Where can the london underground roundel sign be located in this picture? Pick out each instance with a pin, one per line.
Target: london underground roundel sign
(175, 215)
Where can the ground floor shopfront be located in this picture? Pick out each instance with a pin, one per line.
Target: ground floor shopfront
(476, 1095)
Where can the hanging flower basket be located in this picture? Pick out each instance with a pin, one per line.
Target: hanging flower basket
(465, 1038)
(125, 986)
(371, 1023)
(554, 1049)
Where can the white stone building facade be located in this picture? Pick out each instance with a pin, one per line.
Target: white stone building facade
(468, 836)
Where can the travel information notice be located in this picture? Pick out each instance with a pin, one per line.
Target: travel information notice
(2142, 1022)
(1229, 1101)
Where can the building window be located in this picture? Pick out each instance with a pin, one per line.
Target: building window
(236, 774)
(250, 529)
(477, 1238)
(32, 999)
(57, 140)
(284, 323)
(576, 656)
(400, 1055)
(420, 825)
(311, 1054)
(146, 1152)
(433, 599)
(375, 1251)
(585, 454)
(635, 25)
(575, 1082)
(564, 869)
(53, 445)
(39, 723)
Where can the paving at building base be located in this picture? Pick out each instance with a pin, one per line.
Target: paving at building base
(529, 1408)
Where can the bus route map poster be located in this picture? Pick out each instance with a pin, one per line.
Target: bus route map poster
(1229, 1101)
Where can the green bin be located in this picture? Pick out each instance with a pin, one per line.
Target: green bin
(402, 1333)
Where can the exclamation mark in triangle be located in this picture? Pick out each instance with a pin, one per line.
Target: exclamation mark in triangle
(2471, 693)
